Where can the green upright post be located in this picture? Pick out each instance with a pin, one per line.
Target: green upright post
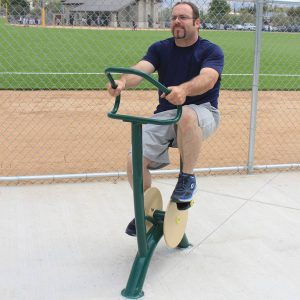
(146, 244)
(138, 192)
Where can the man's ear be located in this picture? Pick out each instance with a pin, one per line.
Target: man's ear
(197, 23)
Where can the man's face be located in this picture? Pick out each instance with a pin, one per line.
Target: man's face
(183, 25)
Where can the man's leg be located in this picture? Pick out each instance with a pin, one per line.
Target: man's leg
(146, 173)
(131, 229)
(189, 139)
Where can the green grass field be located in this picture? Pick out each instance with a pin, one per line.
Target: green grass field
(75, 57)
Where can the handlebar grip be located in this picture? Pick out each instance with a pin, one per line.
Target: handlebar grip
(112, 81)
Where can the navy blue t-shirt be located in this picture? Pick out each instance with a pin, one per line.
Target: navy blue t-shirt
(176, 65)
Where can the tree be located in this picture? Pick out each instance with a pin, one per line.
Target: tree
(218, 9)
(168, 3)
(18, 8)
(252, 9)
(54, 6)
(293, 12)
(248, 10)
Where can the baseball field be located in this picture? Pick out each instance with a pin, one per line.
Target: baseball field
(53, 107)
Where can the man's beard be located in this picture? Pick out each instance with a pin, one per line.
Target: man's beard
(179, 32)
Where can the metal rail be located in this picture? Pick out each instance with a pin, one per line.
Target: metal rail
(117, 174)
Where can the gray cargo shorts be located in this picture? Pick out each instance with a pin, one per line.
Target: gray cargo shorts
(158, 138)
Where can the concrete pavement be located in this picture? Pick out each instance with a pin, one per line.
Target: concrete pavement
(67, 241)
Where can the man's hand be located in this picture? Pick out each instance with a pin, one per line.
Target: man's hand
(130, 80)
(117, 91)
(177, 95)
(199, 85)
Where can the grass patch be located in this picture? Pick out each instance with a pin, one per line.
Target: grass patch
(69, 50)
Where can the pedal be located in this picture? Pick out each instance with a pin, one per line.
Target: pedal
(184, 205)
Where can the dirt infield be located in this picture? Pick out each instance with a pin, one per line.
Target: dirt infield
(58, 132)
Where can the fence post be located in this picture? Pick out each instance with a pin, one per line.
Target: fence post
(43, 13)
(259, 19)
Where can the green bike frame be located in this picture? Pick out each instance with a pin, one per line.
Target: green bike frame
(146, 241)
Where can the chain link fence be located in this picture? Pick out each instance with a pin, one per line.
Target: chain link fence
(53, 103)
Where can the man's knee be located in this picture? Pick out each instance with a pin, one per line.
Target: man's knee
(146, 163)
(188, 121)
(188, 118)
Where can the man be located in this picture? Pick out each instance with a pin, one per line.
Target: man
(191, 68)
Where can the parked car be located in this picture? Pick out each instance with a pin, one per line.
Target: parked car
(207, 26)
(273, 28)
(228, 26)
(281, 28)
(238, 27)
(249, 26)
(269, 28)
(293, 28)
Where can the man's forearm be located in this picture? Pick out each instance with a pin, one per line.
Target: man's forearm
(201, 83)
(131, 80)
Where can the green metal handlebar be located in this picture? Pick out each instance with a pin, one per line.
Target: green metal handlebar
(113, 114)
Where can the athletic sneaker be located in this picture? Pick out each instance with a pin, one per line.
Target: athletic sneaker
(130, 229)
(185, 188)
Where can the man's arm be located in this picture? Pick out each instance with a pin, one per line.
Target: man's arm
(200, 84)
(130, 80)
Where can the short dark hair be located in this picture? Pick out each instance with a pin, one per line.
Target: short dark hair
(195, 9)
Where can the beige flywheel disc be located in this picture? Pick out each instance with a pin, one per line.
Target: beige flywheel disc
(152, 201)
(174, 225)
